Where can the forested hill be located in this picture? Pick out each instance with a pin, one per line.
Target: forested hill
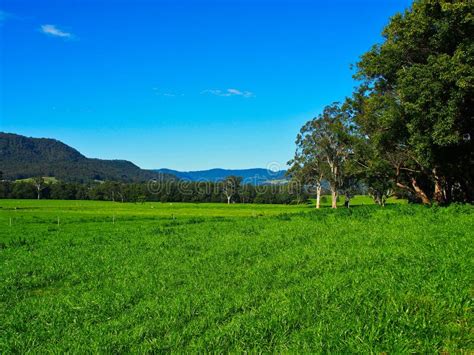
(24, 157)
(256, 176)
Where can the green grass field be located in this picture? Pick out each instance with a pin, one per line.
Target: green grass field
(112, 277)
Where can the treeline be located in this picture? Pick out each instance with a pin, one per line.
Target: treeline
(230, 191)
(408, 127)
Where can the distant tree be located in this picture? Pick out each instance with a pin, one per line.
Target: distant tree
(5, 189)
(307, 167)
(231, 187)
(350, 186)
(247, 193)
(23, 190)
(39, 184)
(115, 189)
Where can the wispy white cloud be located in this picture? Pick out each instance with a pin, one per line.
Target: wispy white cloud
(52, 30)
(165, 93)
(228, 92)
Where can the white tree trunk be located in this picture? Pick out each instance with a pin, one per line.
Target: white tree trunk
(228, 199)
(334, 173)
(318, 196)
(334, 198)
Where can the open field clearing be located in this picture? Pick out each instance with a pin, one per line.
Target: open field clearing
(71, 209)
(114, 277)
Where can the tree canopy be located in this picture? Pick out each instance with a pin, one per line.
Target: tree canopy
(412, 113)
(415, 101)
(324, 146)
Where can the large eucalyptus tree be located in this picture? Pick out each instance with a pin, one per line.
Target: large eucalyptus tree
(324, 146)
(416, 99)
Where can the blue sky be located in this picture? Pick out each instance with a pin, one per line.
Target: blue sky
(185, 85)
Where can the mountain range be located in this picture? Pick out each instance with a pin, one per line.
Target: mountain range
(23, 157)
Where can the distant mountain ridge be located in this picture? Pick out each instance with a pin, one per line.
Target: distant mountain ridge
(23, 157)
(257, 176)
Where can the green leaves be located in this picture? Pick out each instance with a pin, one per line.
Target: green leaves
(416, 96)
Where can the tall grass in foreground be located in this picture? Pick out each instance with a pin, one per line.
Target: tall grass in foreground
(234, 278)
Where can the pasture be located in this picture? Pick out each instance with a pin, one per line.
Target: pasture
(85, 276)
